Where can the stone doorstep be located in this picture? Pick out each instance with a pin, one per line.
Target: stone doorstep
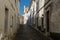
(9, 37)
(4, 38)
(1, 36)
(41, 32)
(12, 37)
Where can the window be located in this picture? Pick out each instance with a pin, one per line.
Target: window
(33, 11)
(15, 1)
(42, 18)
(12, 22)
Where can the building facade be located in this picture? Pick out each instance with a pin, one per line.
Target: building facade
(38, 14)
(9, 18)
(44, 15)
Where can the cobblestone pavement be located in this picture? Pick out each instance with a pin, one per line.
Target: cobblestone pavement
(28, 33)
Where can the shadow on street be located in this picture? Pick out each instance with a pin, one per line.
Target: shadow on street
(28, 33)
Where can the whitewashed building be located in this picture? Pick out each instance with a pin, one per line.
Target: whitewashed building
(25, 15)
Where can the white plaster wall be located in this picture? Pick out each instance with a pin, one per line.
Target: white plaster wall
(41, 3)
(41, 12)
(25, 18)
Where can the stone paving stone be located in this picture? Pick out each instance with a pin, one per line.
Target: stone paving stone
(28, 33)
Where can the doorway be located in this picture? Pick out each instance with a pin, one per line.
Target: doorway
(47, 20)
(6, 20)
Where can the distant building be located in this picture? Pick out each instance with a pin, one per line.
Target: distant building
(9, 18)
(25, 15)
(21, 20)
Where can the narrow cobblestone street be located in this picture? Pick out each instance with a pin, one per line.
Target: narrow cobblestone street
(28, 33)
(29, 19)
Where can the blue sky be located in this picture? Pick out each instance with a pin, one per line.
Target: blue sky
(22, 3)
